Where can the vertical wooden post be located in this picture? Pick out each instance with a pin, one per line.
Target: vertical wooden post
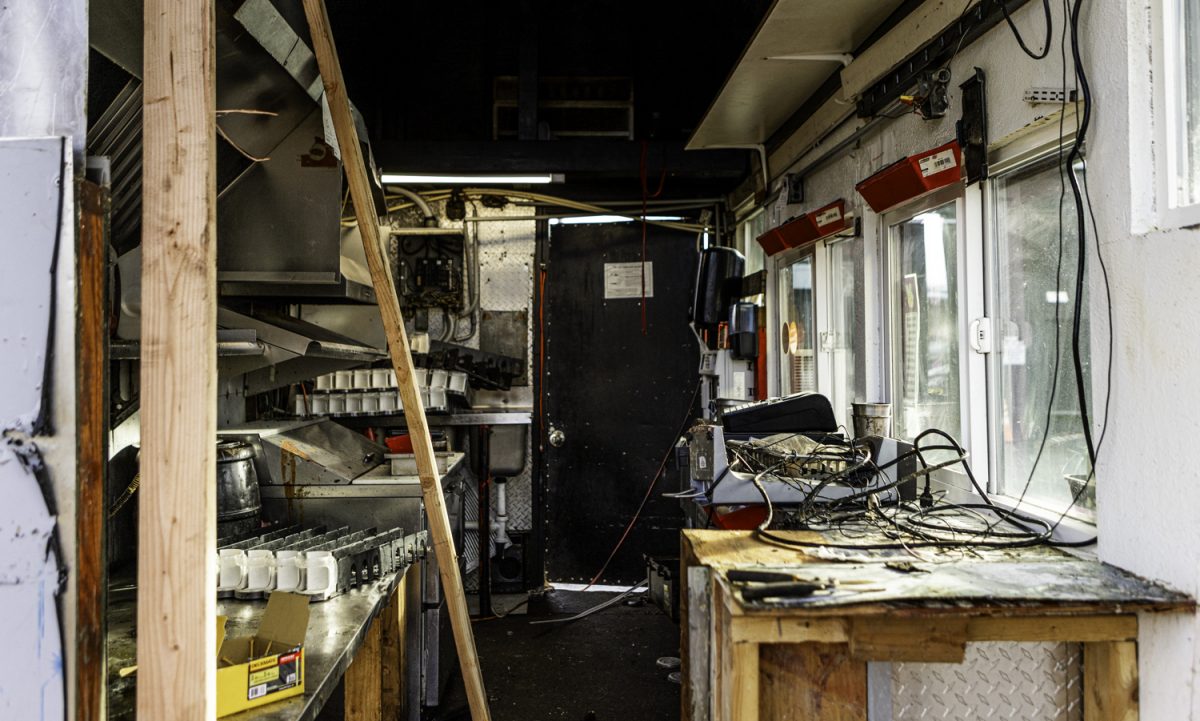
(1110, 681)
(91, 457)
(392, 662)
(177, 525)
(364, 680)
(393, 325)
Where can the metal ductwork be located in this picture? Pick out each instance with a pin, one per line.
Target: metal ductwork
(279, 184)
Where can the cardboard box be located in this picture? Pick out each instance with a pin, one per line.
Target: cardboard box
(267, 667)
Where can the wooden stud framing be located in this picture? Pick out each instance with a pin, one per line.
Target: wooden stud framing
(392, 661)
(363, 680)
(393, 324)
(1110, 681)
(177, 528)
(92, 457)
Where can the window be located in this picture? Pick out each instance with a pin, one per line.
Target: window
(751, 228)
(926, 333)
(1177, 83)
(1034, 409)
(797, 368)
(843, 343)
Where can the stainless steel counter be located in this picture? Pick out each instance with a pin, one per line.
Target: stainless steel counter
(336, 629)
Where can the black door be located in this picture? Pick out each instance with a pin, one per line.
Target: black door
(615, 396)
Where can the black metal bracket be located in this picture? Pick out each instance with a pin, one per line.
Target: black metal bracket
(971, 129)
(936, 53)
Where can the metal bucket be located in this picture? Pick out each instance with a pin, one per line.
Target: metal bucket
(238, 501)
(872, 419)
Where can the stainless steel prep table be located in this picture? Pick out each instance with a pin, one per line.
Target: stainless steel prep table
(337, 630)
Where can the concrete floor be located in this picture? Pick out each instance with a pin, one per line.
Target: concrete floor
(600, 668)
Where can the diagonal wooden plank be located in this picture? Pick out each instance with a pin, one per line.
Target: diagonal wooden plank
(393, 324)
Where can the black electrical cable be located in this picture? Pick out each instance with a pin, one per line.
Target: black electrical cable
(1081, 271)
(1017, 33)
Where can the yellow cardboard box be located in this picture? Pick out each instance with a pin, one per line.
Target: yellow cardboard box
(268, 666)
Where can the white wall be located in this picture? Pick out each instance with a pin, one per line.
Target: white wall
(1148, 491)
(43, 74)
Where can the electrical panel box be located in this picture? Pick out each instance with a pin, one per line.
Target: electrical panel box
(430, 267)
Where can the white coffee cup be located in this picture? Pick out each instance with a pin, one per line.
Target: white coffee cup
(289, 571)
(232, 574)
(320, 568)
(260, 570)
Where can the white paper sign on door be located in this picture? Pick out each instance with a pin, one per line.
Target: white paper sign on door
(624, 280)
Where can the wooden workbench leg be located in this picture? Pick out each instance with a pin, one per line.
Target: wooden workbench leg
(1110, 681)
(743, 696)
(364, 678)
(735, 672)
(811, 682)
(391, 644)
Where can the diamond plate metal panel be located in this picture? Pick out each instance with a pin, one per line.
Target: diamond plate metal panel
(506, 257)
(1011, 681)
(506, 261)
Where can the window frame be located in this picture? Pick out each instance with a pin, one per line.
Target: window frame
(1167, 65)
(1022, 155)
(775, 348)
(970, 297)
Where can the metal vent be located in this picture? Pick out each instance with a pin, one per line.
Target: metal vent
(117, 135)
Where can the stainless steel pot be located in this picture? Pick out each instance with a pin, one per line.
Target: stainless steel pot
(237, 482)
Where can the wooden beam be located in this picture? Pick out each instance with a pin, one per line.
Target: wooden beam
(393, 324)
(177, 529)
(1110, 681)
(91, 579)
(363, 681)
(834, 629)
(879, 638)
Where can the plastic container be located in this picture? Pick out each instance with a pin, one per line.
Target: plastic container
(872, 419)
(912, 176)
(362, 378)
(808, 228)
(325, 382)
(343, 380)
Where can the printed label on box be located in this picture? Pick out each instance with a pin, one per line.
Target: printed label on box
(624, 280)
(274, 673)
(936, 163)
(831, 215)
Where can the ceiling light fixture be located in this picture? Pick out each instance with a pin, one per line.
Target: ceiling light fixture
(592, 219)
(426, 179)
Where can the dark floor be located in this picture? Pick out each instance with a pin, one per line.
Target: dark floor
(603, 664)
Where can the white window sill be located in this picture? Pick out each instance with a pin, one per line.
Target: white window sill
(1070, 530)
(1179, 218)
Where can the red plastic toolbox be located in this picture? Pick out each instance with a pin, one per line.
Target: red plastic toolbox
(912, 176)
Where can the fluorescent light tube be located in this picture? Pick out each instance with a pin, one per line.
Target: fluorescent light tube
(589, 219)
(420, 178)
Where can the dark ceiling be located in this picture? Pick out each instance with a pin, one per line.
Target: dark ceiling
(422, 74)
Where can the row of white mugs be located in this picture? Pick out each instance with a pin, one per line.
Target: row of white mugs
(257, 570)
(360, 402)
(364, 379)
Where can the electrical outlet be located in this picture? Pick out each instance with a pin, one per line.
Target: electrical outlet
(1057, 96)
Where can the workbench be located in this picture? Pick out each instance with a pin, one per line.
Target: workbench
(359, 636)
(806, 657)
